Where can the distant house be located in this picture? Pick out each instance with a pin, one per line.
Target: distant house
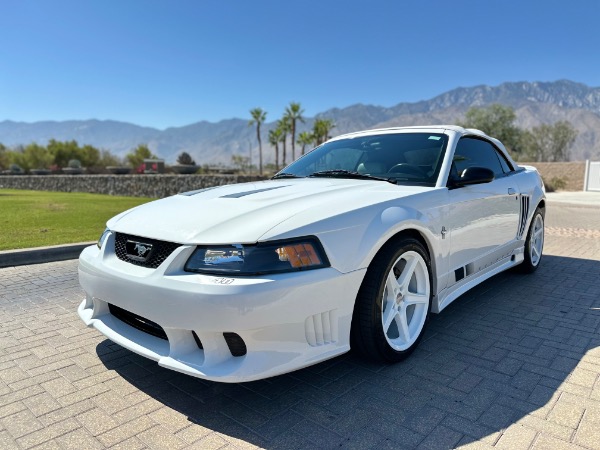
(154, 166)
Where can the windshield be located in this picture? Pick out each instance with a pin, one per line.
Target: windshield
(404, 158)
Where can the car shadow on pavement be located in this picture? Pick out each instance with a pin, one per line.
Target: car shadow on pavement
(496, 362)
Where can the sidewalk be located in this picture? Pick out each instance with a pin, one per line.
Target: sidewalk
(587, 198)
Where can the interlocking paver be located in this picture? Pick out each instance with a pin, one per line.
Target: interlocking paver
(7, 442)
(48, 433)
(21, 423)
(513, 363)
(547, 442)
(161, 438)
(11, 408)
(78, 440)
(132, 443)
(96, 421)
(516, 436)
(193, 433)
(41, 404)
(566, 414)
(588, 432)
(441, 437)
(126, 431)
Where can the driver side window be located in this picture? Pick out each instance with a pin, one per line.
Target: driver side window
(472, 152)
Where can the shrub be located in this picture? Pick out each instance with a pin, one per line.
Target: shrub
(15, 169)
(75, 164)
(555, 184)
(185, 159)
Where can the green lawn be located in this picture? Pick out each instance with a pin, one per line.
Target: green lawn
(36, 218)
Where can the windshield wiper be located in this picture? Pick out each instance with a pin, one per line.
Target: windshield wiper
(340, 173)
(285, 175)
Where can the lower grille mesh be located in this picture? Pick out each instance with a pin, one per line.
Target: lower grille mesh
(139, 322)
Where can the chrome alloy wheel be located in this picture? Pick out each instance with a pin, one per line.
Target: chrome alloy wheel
(405, 300)
(536, 242)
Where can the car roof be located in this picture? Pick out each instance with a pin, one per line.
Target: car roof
(423, 128)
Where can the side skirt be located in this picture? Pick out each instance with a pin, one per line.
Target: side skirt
(449, 294)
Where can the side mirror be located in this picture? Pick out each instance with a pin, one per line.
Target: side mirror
(473, 175)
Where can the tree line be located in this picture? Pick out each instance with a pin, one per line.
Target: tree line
(286, 127)
(545, 142)
(57, 155)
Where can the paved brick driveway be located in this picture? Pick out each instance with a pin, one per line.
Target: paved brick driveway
(513, 364)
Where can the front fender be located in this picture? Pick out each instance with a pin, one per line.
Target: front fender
(352, 239)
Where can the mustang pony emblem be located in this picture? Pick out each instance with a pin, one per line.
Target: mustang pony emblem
(141, 249)
(138, 251)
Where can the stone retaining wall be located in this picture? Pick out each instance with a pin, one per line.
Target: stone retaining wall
(159, 186)
(156, 186)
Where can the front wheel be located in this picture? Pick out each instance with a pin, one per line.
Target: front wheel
(393, 303)
(534, 243)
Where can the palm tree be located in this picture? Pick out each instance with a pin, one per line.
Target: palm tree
(258, 117)
(284, 126)
(305, 138)
(321, 130)
(274, 139)
(293, 113)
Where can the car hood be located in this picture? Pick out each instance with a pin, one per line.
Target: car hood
(243, 213)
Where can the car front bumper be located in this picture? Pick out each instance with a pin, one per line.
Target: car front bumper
(287, 321)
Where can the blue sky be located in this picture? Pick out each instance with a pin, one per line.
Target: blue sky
(172, 63)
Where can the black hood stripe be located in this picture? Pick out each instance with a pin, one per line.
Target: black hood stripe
(256, 191)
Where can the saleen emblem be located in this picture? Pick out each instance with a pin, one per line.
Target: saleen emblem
(138, 251)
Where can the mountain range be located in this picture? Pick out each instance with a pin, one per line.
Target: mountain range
(208, 143)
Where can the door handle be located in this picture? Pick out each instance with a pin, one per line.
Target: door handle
(511, 191)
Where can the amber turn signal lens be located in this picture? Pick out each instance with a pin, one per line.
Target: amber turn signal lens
(299, 255)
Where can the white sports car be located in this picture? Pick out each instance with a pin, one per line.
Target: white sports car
(351, 246)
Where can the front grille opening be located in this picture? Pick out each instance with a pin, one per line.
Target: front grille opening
(198, 341)
(236, 344)
(161, 250)
(138, 322)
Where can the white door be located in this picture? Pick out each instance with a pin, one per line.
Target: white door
(482, 219)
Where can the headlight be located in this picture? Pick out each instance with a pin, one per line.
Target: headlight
(103, 238)
(262, 258)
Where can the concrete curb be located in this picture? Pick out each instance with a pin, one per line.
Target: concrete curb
(26, 256)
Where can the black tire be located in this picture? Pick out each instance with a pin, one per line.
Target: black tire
(532, 260)
(368, 337)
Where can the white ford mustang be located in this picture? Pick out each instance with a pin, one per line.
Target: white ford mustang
(351, 246)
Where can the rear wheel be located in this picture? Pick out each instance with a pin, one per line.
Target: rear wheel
(393, 303)
(534, 243)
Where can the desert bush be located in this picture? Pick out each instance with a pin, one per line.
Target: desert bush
(555, 184)
(15, 169)
(75, 164)
(185, 159)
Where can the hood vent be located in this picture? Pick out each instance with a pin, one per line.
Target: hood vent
(256, 191)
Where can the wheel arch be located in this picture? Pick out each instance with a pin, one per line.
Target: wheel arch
(411, 232)
(357, 326)
(542, 204)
